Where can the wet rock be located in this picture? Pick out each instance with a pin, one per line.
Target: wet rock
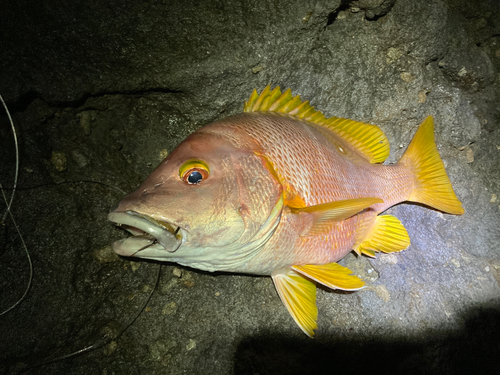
(145, 76)
(59, 161)
(105, 255)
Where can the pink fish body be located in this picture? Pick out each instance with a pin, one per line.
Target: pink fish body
(280, 190)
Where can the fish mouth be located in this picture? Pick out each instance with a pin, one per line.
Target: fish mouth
(147, 234)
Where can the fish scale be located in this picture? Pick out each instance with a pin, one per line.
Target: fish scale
(313, 167)
(329, 175)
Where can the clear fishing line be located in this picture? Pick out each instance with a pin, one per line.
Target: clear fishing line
(8, 211)
(8, 202)
(105, 340)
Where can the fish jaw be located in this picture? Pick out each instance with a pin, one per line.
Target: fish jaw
(151, 238)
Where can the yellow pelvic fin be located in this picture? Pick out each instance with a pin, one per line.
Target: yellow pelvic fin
(332, 275)
(367, 138)
(387, 234)
(299, 297)
(433, 187)
(323, 214)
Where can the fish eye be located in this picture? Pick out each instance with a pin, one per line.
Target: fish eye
(194, 171)
(194, 177)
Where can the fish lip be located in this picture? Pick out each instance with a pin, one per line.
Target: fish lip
(146, 231)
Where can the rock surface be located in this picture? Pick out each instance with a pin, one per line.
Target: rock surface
(101, 91)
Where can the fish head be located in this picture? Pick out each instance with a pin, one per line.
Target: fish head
(210, 205)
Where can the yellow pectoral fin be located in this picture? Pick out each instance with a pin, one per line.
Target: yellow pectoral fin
(387, 234)
(332, 275)
(299, 297)
(324, 214)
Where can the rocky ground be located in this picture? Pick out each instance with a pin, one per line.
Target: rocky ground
(101, 91)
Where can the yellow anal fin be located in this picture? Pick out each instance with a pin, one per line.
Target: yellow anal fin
(387, 234)
(325, 213)
(332, 275)
(433, 187)
(298, 294)
(367, 138)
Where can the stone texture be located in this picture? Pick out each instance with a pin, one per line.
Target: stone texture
(114, 86)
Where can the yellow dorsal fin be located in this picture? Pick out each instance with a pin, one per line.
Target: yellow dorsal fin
(367, 138)
(299, 296)
(432, 185)
(323, 214)
(387, 234)
(332, 275)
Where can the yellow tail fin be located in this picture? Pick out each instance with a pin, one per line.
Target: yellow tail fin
(432, 185)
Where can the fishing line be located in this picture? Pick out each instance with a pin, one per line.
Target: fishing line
(8, 211)
(9, 204)
(68, 182)
(105, 340)
(17, 161)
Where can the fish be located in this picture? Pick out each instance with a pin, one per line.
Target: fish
(283, 191)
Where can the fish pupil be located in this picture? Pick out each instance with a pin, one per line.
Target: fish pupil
(195, 177)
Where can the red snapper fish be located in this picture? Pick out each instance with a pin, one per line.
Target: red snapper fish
(281, 190)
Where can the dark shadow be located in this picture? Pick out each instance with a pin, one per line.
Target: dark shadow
(344, 5)
(473, 350)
